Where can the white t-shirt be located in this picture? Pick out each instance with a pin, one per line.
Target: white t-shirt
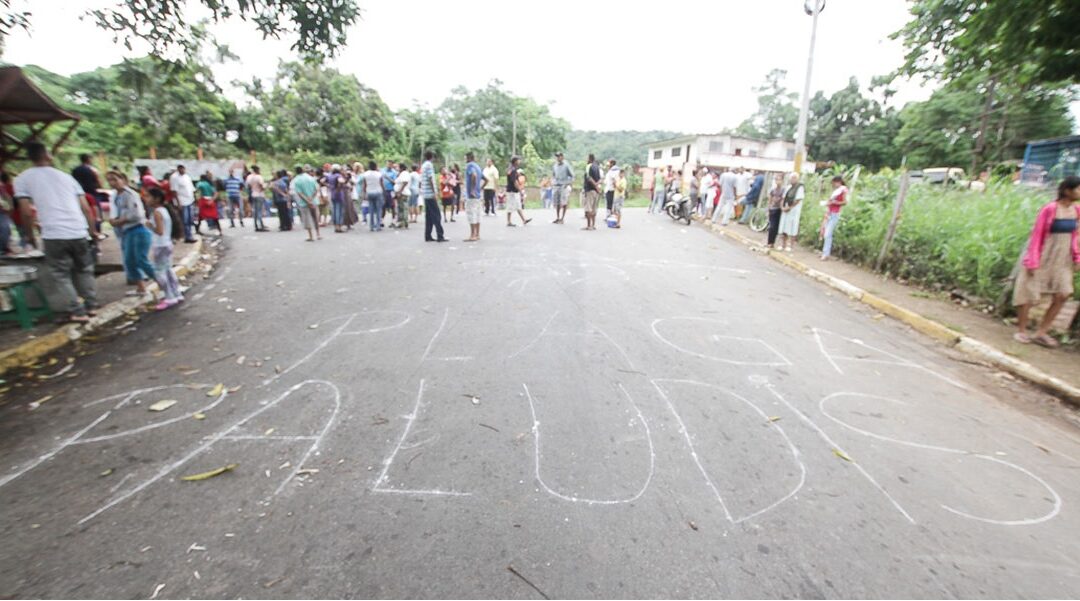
(56, 196)
(491, 174)
(373, 182)
(609, 179)
(183, 187)
(707, 184)
(742, 184)
(256, 184)
(162, 240)
(401, 184)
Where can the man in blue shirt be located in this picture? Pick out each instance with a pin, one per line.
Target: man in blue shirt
(473, 184)
(234, 192)
(752, 197)
(428, 185)
(389, 177)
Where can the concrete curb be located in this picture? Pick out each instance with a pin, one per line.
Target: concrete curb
(30, 351)
(969, 346)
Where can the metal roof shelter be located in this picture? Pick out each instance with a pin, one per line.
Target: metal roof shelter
(23, 103)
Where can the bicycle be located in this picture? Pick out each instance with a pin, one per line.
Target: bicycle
(759, 215)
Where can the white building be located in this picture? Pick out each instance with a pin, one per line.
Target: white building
(724, 150)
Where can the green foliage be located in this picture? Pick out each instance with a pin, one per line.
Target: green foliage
(776, 116)
(626, 147)
(948, 237)
(483, 121)
(849, 127)
(1034, 40)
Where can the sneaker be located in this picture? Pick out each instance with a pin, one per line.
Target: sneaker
(163, 305)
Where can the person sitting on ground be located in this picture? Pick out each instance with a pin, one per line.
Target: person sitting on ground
(1052, 257)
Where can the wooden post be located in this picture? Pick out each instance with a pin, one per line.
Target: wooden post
(153, 153)
(199, 153)
(252, 156)
(898, 208)
(103, 163)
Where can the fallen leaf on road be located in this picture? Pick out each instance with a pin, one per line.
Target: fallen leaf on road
(126, 324)
(693, 526)
(841, 454)
(157, 589)
(39, 402)
(160, 354)
(162, 405)
(62, 371)
(53, 361)
(313, 326)
(216, 391)
(195, 547)
(284, 465)
(277, 369)
(207, 475)
(199, 416)
(307, 471)
(106, 473)
(190, 372)
(268, 432)
(240, 359)
(235, 389)
(774, 418)
(1042, 448)
(239, 310)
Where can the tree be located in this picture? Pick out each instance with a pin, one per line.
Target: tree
(319, 26)
(851, 128)
(417, 130)
(319, 109)
(776, 116)
(1033, 38)
(484, 120)
(626, 147)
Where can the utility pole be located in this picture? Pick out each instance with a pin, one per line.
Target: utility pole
(813, 8)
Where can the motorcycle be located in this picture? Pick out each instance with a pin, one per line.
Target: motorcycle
(678, 207)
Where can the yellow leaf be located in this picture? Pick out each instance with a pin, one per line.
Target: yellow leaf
(199, 416)
(774, 418)
(160, 353)
(207, 475)
(106, 472)
(162, 405)
(235, 389)
(841, 454)
(268, 432)
(217, 390)
(53, 361)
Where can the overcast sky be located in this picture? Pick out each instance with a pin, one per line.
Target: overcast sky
(684, 65)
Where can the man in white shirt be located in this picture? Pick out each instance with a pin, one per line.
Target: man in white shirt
(726, 209)
(181, 185)
(66, 227)
(742, 188)
(708, 191)
(610, 178)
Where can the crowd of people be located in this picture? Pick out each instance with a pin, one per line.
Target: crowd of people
(148, 216)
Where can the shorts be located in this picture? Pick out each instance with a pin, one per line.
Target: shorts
(589, 201)
(560, 195)
(472, 210)
(449, 202)
(513, 201)
(617, 205)
(414, 201)
(308, 216)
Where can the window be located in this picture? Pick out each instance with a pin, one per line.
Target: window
(738, 152)
(753, 153)
(790, 154)
(658, 154)
(716, 146)
(676, 152)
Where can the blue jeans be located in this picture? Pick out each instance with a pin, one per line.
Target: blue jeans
(337, 212)
(375, 202)
(136, 247)
(830, 227)
(5, 232)
(188, 213)
(258, 205)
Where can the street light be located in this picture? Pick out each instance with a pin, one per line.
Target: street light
(812, 8)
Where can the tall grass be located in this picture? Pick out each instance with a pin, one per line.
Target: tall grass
(948, 237)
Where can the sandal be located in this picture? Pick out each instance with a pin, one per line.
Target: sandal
(1047, 341)
(1022, 338)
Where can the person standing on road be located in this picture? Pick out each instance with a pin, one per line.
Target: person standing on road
(67, 225)
(610, 177)
(776, 203)
(402, 196)
(256, 195)
(372, 182)
(447, 183)
(428, 186)
(620, 199)
(791, 212)
(590, 198)
(88, 179)
(659, 188)
(208, 206)
(491, 182)
(414, 193)
(280, 190)
(752, 197)
(307, 201)
(515, 185)
(474, 178)
(163, 230)
(1051, 259)
(724, 212)
(832, 215)
(742, 190)
(459, 204)
(184, 189)
(389, 174)
(562, 175)
(233, 187)
(695, 190)
(131, 221)
(708, 190)
(335, 183)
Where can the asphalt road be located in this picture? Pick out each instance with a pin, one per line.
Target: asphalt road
(645, 412)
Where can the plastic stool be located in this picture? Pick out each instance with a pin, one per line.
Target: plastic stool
(22, 313)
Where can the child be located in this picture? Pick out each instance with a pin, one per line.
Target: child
(620, 199)
(164, 224)
(208, 212)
